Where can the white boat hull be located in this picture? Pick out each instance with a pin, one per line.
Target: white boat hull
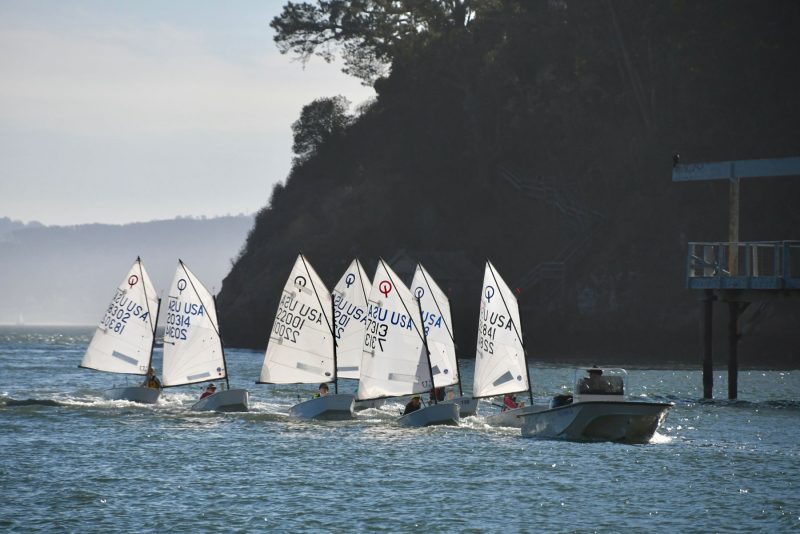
(435, 414)
(513, 417)
(228, 400)
(329, 407)
(466, 405)
(623, 421)
(366, 404)
(139, 394)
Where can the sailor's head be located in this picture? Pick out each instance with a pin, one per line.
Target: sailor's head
(323, 387)
(212, 386)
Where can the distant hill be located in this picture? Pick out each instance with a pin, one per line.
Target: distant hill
(9, 226)
(67, 274)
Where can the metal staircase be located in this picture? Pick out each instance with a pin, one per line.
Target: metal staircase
(583, 222)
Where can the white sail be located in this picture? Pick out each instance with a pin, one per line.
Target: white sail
(300, 348)
(123, 340)
(192, 346)
(350, 319)
(500, 359)
(393, 362)
(438, 327)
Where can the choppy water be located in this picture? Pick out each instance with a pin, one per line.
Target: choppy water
(71, 461)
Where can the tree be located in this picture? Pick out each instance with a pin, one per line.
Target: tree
(319, 122)
(369, 34)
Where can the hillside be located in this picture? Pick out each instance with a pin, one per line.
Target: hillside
(67, 274)
(528, 132)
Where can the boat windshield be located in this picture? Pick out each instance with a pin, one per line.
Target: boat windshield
(596, 381)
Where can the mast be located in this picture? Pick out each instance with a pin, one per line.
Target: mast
(527, 372)
(452, 338)
(335, 362)
(330, 323)
(153, 342)
(427, 352)
(155, 323)
(522, 342)
(222, 350)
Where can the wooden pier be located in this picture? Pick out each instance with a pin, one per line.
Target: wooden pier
(739, 274)
(733, 272)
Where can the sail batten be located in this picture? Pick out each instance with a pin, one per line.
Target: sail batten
(192, 346)
(500, 364)
(300, 348)
(124, 337)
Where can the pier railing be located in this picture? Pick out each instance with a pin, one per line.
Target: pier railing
(744, 265)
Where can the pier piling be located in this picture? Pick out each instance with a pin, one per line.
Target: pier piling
(733, 349)
(708, 358)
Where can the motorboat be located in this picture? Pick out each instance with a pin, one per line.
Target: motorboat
(598, 410)
(513, 417)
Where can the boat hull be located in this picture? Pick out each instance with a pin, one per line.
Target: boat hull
(466, 405)
(367, 404)
(513, 418)
(435, 414)
(622, 421)
(329, 408)
(138, 394)
(229, 400)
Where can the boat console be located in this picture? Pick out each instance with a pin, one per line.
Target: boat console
(596, 384)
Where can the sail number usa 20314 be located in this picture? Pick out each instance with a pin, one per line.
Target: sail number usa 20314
(179, 318)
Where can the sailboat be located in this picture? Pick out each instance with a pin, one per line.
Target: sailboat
(436, 319)
(396, 361)
(350, 320)
(123, 341)
(501, 364)
(302, 348)
(193, 351)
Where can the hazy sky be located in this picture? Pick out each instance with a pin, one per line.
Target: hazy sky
(131, 111)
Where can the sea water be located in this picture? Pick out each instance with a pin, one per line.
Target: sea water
(71, 461)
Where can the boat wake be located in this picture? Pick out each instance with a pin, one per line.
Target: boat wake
(8, 401)
(660, 439)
